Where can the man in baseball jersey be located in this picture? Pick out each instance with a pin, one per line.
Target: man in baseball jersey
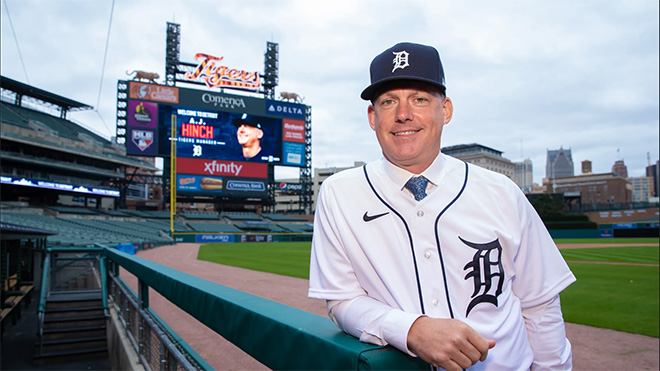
(438, 258)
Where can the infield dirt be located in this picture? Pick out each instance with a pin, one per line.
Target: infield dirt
(593, 348)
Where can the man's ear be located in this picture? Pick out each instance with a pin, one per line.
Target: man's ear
(260, 134)
(448, 110)
(371, 114)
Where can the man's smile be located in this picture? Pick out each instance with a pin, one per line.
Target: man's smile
(407, 132)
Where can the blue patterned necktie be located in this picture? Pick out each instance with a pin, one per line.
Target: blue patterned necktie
(417, 186)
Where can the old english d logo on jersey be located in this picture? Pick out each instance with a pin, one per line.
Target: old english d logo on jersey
(484, 269)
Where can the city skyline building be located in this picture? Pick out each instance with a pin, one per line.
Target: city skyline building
(652, 171)
(592, 189)
(642, 188)
(523, 175)
(620, 169)
(482, 156)
(559, 163)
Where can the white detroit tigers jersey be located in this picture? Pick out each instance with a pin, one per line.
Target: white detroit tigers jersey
(474, 249)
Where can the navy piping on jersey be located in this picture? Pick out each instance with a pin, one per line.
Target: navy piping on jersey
(437, 239)
(419, 287)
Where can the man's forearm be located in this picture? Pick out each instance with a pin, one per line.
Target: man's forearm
(372, 321)
(547, 336)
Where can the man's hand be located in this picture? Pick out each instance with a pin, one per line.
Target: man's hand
(447, 343)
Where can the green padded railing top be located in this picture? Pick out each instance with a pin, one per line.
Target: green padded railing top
(279, 336)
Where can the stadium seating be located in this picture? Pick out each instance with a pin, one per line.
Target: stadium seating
(72, 210)
(80, 227)
(214, 227)
(240, 216)
(13, 116)
(260, 227)
(201, 215)
(298, 228)
(79, 231)
(279, 217)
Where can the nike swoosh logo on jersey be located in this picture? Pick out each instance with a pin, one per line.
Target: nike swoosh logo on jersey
(368, 218)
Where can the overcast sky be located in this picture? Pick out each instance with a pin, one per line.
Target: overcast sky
(524, 76)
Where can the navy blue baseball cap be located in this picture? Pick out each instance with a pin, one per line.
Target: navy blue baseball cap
(405, 61)
(246, 120)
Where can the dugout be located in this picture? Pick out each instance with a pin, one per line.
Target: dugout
(20, 267)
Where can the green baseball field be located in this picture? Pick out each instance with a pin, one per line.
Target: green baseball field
(617, 279)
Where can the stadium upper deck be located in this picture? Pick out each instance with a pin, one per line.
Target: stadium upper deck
(46, 157)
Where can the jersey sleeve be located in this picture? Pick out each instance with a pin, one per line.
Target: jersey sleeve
(541, 271)
(331, 274)
(373, 322)
(333, 278)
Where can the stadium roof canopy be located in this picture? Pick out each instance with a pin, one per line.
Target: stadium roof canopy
(26, 90)
(14, 231)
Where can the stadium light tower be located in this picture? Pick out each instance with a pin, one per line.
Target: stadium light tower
(271, 68)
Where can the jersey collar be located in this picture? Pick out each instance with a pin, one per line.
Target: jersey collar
(399, 176)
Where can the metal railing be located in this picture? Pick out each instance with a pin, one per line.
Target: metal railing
(68, 270)
(278, 336)
(153, 345)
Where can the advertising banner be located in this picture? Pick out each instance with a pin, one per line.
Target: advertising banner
(256, 238)
(215, 238)
(293, 130)
(58, 186)
(285, 109)
(201, 166)
(294, 153)
(142, 141)
(215, 101)
(221, 186)
(153, 92)
(142, 114)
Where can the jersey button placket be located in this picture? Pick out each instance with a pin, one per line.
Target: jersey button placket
(420, 213)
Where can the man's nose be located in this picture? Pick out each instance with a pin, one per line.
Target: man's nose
(403, 112)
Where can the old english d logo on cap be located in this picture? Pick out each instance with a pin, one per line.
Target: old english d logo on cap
(405, 61)
(400, 60)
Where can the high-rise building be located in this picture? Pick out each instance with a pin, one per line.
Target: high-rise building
(559, 163)
(523, 175)
(642, 188)
(652, 171)
(620, 169)
(481, 156)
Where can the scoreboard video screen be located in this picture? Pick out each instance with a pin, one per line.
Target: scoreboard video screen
(224, 142)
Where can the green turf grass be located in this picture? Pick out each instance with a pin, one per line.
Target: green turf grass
(609, 241)
(285, 258)
(617, 254)
(619, 297)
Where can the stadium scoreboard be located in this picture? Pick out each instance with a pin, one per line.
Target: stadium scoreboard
(210, 159)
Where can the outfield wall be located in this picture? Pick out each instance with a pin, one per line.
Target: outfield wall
(197, 237)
